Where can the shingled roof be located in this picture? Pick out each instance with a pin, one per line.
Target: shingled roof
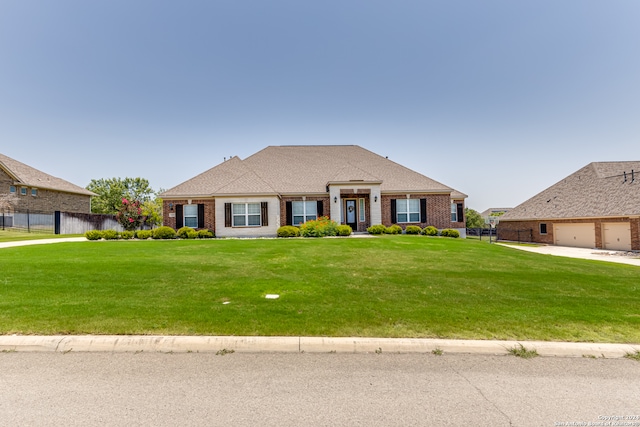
(600, 189)
(305, 169)
(26, 175)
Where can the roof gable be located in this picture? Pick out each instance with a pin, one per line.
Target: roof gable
(597, 190)
(31, 177)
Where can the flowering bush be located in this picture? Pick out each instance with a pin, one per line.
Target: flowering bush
(321, 227)
(129, 215)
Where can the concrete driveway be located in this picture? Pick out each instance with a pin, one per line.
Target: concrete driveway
(584, 253)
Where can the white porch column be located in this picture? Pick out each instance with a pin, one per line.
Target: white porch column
(334, 194)
(375, 199)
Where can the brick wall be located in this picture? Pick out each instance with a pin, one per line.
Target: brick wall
(438, 210)
(283, 206)
(209, 212)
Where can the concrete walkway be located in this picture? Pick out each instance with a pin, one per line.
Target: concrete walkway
(41, 242)
(584, 253)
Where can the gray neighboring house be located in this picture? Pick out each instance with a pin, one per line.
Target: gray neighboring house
(25, 188)
(288, 185)
(596, 207)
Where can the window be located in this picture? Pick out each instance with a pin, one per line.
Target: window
(190, 216)
(543, 228)
(12, 189)
(304, 211)
(408, 210)
(454, 212)
(34, 192)
(361, 211)
(246, 214)
(23, 191)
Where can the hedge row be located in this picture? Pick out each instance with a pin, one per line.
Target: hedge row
(321, 227)
(161, 233)
(412, 229)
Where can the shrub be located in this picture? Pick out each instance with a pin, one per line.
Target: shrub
(344, 230)
(394, 229)
(377, 229)
(288, 231)
(320, 227)
(183, 232)
(205, 234)
(126, 235)
(413, 229)
(449, 232)
(193, 234)
(430, 231)
(93, 235)
(110, 235)
(164, 232)
(143, 234)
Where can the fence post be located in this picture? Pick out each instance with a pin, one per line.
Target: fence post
(3, 219)
(28, 221)
(56, 222)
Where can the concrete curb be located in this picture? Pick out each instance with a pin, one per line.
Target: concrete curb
(216, 344)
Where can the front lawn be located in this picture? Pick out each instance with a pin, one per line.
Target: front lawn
(388, 286)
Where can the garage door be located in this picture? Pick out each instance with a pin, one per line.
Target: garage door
(617, 236)
(575, 235)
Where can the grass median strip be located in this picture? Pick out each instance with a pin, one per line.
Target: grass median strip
(389, 286)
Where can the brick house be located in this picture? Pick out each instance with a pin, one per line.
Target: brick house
(24, 188)
(596, 207)
(288, 185)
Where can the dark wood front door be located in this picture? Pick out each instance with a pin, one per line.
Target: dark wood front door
(351, 213)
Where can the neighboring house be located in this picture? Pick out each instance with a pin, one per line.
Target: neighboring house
(24, 188)
(288, 185)
(494, 212)
(595, 207)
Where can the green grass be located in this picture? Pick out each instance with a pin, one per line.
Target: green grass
(389, 286)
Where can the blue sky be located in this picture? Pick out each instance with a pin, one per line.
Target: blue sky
(498, 99)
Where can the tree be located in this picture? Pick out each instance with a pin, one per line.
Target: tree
(474, 219)
(111, 192)
(152, 210)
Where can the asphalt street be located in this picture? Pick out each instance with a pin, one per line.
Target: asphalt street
(330, 389)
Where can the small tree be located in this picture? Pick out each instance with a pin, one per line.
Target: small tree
(474, 219)
(152, 210)
(130, 216)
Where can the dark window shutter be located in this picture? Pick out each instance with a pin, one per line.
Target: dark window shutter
(320, 211)
(460, 212)
(264, 213)
(179, 216)
(423, 211)
(289, 213)
(227, 214)
(393, 211)
(201, 215)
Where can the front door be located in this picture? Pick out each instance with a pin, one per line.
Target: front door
(351, 214)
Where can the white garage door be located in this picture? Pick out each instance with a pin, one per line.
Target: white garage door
(575, 235)
(617, 236)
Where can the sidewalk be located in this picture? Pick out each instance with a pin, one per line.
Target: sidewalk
(225, 344)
